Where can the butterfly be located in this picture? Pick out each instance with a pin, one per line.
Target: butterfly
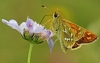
(71, 36)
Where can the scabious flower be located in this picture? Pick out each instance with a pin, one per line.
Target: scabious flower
(32, 32)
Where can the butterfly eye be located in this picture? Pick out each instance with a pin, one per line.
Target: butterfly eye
(55, 15)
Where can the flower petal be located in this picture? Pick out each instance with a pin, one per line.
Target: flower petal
(50, 43)
(22, 27)
(12, 23)
(29, 24)
(46, 34)
(51, 33)
(38, 28)
(5, 21)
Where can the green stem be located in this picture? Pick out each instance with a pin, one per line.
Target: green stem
(29, 53)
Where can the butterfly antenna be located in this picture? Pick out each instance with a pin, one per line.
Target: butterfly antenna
(45, 15)
(47, 8)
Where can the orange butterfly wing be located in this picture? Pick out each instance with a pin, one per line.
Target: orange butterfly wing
(84, 36)
(88, 37)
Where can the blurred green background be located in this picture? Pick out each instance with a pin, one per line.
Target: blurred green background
(14, 49)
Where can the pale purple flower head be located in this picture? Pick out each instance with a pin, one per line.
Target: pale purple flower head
(31, 31)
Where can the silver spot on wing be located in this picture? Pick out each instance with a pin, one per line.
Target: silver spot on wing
(65, 30)
(68, 39)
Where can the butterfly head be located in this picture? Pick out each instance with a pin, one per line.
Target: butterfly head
(57, 14)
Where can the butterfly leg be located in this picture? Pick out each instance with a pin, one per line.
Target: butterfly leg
(51, 28)
(47, 22)
(55, 41)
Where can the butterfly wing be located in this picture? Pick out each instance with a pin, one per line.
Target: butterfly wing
(88, 37)
(67, 35)
(75, 46)
(78, 31)
(63, 47)
(82, 35)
